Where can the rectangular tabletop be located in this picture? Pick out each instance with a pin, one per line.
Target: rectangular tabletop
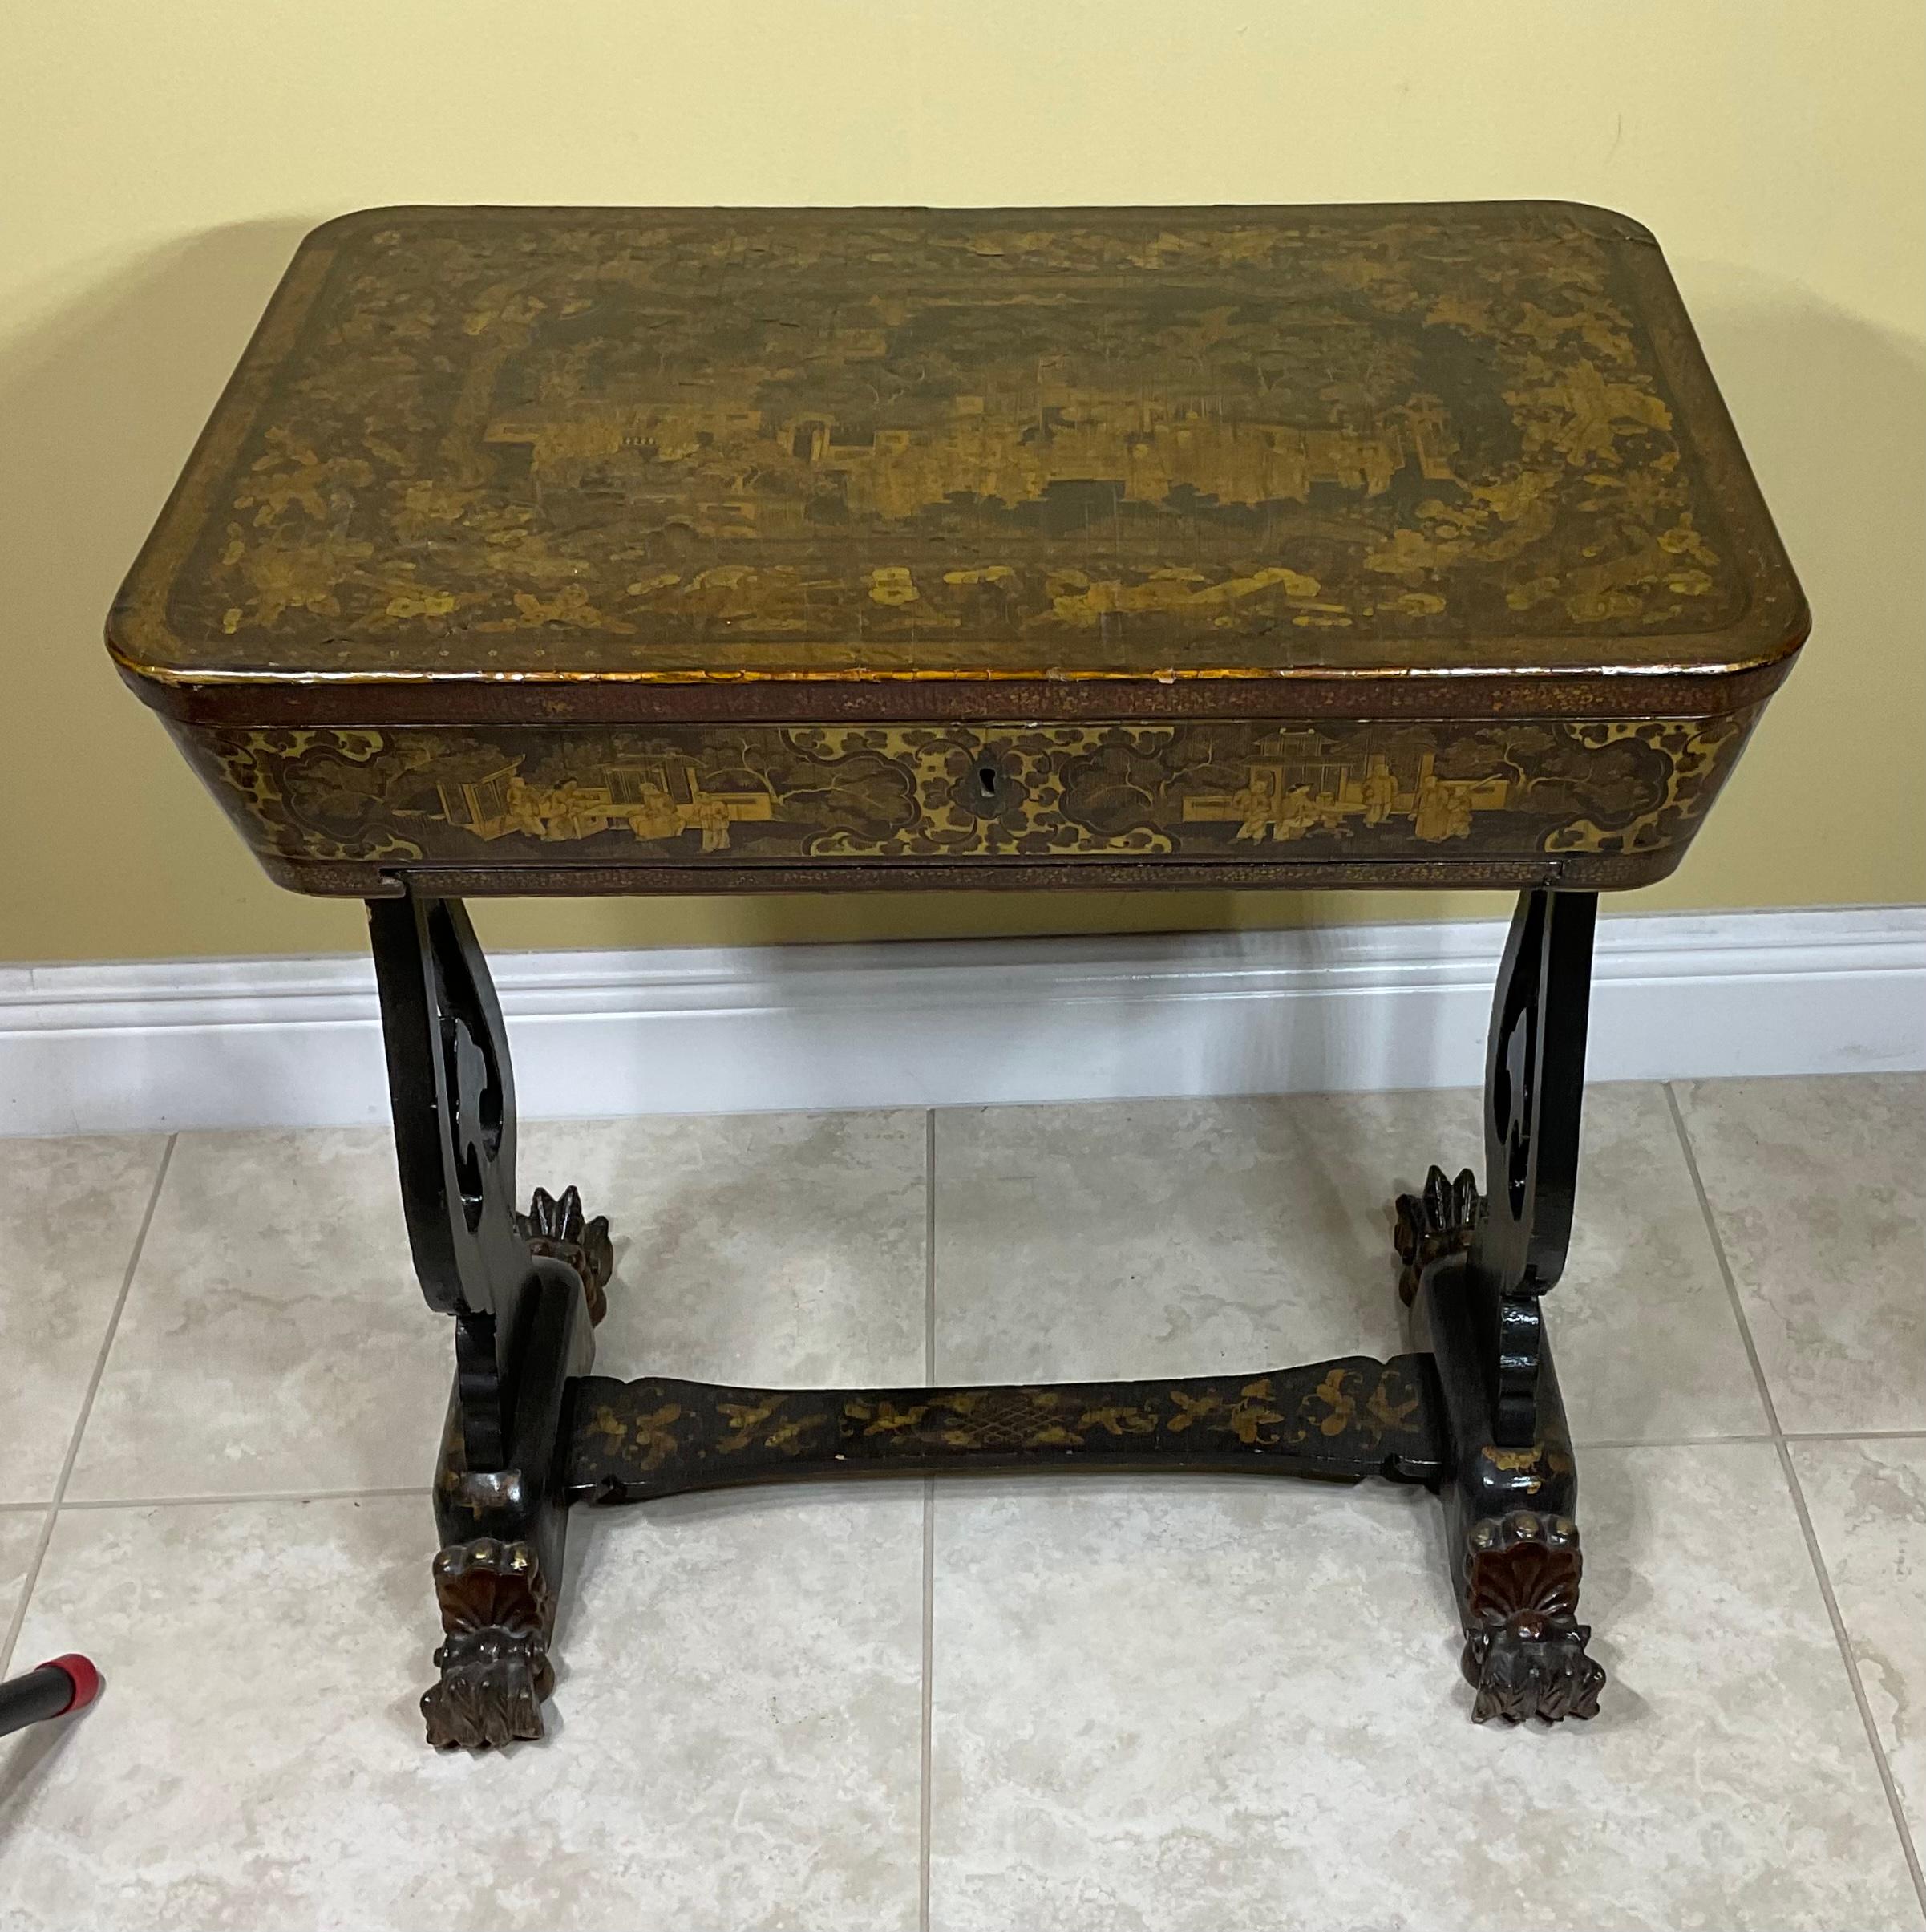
(576, 469)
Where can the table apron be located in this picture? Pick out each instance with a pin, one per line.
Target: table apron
(1230, 803)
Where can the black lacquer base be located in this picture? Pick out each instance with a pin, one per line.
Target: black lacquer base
(1510, 1524)
(1474, 1412)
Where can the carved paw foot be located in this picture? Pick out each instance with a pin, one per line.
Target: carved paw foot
(1524, 1646)
(1531, 1668)
(498, 1612)
(1440, 1220)
(490, 1692)
(558, 1229)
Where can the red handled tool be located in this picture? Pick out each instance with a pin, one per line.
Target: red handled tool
(61, 1685)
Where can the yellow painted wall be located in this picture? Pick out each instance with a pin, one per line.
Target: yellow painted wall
(157, 165)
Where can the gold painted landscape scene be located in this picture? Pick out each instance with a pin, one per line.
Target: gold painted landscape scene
(618, 443)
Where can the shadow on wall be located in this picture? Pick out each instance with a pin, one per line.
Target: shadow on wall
(98, 408)
(103, 404)
(118, 852)
(1825, 806)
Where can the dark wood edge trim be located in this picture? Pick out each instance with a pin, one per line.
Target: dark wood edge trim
(1357, 697)
(1588, 871)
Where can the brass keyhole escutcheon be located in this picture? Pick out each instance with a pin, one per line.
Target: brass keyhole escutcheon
(986, 780)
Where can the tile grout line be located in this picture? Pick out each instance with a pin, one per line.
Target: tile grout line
(1675, 1442)
(928, 1701)
(1775, 1434)
(930, 1247)
(211, 1498)
(928, 1704)
(1852, 1671)
(1781, 1442)
(1855, 1435)
(31, 1581)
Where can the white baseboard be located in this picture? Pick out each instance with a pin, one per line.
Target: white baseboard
(214, 1043)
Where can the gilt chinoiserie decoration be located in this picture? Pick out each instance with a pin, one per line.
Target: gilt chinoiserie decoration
(1607, 795)
(953, 442)
(566, 473)
(565, 550)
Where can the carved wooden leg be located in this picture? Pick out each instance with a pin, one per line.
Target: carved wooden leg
(502, 1530)
(497, 1609)
(523, 1290)
(1474, 1267)
(1524, 1646)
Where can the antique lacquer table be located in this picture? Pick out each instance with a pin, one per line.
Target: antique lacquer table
(577, 551)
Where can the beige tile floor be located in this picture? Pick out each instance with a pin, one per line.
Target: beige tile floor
(1090, 1706)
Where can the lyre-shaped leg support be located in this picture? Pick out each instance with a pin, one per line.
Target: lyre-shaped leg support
(523, 1290)
(1475, 1267)
(529, 1430)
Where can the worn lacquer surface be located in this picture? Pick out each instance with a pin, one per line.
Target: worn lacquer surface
(687, 443)
(1351, 1417)
(1375, 795)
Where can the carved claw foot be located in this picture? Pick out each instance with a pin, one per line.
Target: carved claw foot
(1524, 1646)
(498, 1612)
(560, 1230)
(1441, 1220)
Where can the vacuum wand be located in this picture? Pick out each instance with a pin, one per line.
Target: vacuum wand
(61, 1685)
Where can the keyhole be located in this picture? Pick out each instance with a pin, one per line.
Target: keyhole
(986, 778)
